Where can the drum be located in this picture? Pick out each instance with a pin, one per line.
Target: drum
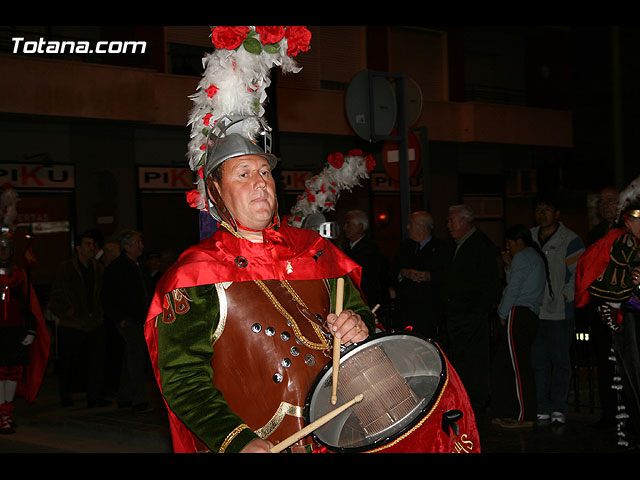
(413, 400)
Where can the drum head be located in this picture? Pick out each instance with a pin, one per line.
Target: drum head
(400, 375)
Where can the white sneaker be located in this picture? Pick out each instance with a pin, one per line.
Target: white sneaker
(558, 417)
(543, 417)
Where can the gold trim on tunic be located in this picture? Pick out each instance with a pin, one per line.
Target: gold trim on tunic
(277, 418)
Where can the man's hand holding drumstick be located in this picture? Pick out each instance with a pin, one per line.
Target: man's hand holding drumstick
(347, 325)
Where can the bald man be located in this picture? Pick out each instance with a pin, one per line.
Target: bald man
(417, 273)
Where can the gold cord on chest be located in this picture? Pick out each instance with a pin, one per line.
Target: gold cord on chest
(324, 343)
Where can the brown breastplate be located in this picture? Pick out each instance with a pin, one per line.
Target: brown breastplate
(266, 360)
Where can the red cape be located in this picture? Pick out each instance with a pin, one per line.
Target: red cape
(289, 253)
(592, 263)
(39, 349)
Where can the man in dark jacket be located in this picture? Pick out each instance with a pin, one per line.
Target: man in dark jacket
(470, 292)
(126, 301)
(365, 252)
(75, 301)
(418, 273)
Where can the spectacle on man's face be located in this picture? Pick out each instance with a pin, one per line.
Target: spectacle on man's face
(248, 190)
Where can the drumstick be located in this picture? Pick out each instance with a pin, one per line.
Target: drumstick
(373, 310)
(314, 425)
(336, 342)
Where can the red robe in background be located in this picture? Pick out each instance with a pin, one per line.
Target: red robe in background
(39, 349)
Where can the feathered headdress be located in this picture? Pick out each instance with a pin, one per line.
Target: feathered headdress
(630, 196)
(8, 209)
(322, 191)
(233, 87)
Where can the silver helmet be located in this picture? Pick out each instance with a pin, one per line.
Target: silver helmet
(234, 145)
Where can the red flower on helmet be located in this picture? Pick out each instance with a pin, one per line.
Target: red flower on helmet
(206, 118)
(336, 159)
(371, 163)
(298, 40)
(270, 35)
(228, 37)
(193, 197)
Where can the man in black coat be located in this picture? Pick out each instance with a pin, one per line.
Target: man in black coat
(365, 252)
(126, 301)
(417, 272)
(471, 291)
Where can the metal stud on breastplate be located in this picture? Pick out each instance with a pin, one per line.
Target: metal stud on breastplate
(270, 331)
(285, 336)
(256, 328)
(295, 351)
(309, 360)
(277, 377)
(286, 362)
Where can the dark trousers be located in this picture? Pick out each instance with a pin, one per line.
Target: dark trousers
(551, 358)
(81, 363)
(469, 353)
(132, 386)
(513, 393)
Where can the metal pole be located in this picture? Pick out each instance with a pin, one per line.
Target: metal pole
(403, 156)
(424, 159)
(402, 139)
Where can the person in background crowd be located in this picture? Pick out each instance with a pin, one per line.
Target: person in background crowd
(600, 334)
(417, 273)
(607, 278)
(471, 290)
(551, 350)
(75, 300)
(365, 252)
(513, 397)
(126, 301)
(607, 212)
(24, 339)
(111, 251)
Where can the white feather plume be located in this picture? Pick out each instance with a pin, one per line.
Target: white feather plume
(233, 85)
(629, 194)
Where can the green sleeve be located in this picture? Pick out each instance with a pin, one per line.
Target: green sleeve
(185, 351)
(353, 301)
